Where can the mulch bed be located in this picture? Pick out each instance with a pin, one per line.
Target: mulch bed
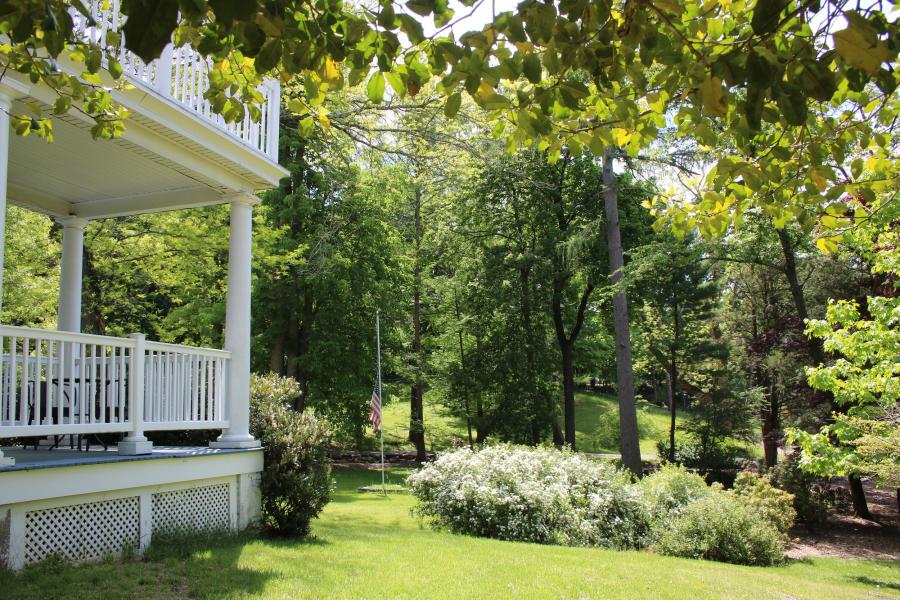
(847, 536)
(371, 460)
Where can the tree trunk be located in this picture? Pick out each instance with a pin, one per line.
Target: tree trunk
(525, 284)
(628, 432)
(416, 411)
(670, 390)
(673, 373)
(92, 319)
(771, 430)
(770, 445)
(304, 338)
(481, 427)
(462, 364)
(276, 354)
(567, 353)
(860, 506)
(816, 351)
(568, 372)
(290, 351)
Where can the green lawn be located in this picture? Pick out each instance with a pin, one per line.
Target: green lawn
(368, 546)
(596, 423)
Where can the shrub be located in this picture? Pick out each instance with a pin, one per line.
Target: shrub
(774, 505)
(810, 498)
(720, 528)
(670, 489)
(707, 457)
(296, 478)
(531, 494)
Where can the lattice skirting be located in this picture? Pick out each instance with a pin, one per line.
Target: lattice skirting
(204, 508)
(83, 529)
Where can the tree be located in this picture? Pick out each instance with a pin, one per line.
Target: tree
(31, 272)
(571, 75)
(864, 378)
(864, 381)
(680, 296)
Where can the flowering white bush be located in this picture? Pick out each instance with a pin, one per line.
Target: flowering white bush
(532, 494)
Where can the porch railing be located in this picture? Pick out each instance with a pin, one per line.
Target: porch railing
(182, 75)
(57, 383)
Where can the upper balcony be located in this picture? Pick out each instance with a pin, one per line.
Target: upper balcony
(174, 153)
(182, 75)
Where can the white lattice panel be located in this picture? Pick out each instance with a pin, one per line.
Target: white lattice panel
(206, 508)
(82, 531)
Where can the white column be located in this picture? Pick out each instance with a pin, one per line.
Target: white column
(5, 106)
(70, 279)
(237, 327)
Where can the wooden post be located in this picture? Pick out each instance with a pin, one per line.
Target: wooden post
(136, 442)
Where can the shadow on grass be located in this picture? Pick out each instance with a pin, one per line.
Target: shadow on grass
(891, 585)
(204, 565)
(174, 567)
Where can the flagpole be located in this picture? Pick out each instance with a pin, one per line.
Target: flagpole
(380, 391)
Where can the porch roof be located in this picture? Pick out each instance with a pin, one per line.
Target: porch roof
(149, 169)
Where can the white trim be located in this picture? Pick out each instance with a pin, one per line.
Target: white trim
(38, 201)
(121, 477)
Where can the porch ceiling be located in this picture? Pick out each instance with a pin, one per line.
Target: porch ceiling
(139, 173)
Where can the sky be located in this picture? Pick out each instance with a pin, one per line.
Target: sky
(482, 12)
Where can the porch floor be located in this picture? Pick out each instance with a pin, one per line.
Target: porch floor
(42, 458)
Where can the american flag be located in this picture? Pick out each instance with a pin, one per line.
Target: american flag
(375, 407)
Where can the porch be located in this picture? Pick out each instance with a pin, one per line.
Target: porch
(62, 389)
(175, 153)
(84, 505)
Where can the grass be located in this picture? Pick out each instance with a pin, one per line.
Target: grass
(596, 423)
(368, 546)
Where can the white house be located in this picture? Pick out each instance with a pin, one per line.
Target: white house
(174, 154)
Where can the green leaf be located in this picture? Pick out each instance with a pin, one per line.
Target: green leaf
(766, 15)
(396, 83)
(232, 10)
(452, 106)
(531, 67)
(268, 56)
(62, 105)
(712, 93)
(412, 28)
(375, 87)
(114, 68)
(817, 80)
(149, 26)
(421, 7)
(792, 103)
(387, 17)
(753, 107)
(305, 127)
(861, 48)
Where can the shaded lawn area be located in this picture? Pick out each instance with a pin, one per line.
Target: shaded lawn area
(368, 546)
(596, 424)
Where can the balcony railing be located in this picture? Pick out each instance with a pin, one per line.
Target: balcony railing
(182, 75)
(57, 383)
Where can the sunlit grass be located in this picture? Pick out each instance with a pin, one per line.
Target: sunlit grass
(369, 546)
